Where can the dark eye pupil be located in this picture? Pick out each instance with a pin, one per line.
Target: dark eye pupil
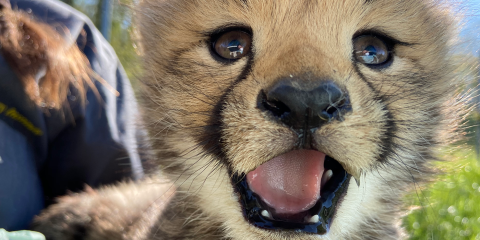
(370, 50)
(233, 45)
(235, 48)
(370, 55)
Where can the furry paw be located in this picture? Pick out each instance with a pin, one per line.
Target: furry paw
(126, 211)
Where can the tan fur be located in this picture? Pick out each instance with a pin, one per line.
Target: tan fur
(203, 118)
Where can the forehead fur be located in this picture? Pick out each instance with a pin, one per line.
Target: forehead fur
(307, 22)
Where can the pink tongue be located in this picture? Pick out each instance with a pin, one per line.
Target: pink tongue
(289, 183)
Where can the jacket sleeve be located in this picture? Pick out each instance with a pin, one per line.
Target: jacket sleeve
(22, 144)
(102, 142)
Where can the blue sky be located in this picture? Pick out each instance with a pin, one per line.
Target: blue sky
(471, 33)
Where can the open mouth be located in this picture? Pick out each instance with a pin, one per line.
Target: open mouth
(297, 191)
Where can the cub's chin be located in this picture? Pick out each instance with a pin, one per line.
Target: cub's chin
(297, 191)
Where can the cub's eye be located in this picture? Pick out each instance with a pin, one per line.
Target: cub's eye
(233, 45)
(370, 50)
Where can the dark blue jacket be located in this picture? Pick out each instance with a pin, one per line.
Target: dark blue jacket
(42, 155)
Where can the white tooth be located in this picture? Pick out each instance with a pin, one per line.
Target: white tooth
(314, 219)
(326, 176)
(266, 214)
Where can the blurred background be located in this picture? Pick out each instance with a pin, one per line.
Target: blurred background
(114, 19)
(447, 208)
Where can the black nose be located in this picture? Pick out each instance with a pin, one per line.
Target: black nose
(305, 107)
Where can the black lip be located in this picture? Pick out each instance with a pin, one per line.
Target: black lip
(325, 207)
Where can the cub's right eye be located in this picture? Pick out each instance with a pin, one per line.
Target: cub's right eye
(232, 45)
(372, 50)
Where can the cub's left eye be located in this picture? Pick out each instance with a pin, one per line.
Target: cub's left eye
(233, 45)
(370, 50)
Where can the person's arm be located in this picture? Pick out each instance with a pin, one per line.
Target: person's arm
(97, 144)
(21, 150)
(55, 148)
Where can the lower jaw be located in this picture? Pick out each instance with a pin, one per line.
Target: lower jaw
(253, 206)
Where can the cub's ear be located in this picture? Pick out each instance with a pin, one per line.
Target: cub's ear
(32, 48)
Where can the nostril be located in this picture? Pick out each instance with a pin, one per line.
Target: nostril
(334, 107)
(342, 102)
(277, 108)
(331, 109)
